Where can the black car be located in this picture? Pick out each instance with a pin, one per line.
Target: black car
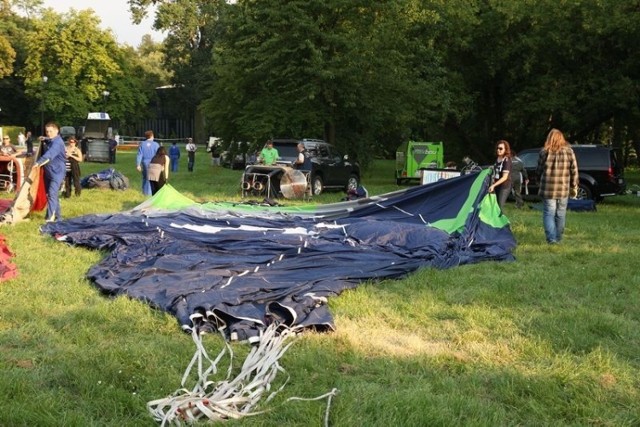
(600, 169)
(67, 132)
(235, 155)
(329, 168)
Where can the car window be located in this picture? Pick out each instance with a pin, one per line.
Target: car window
(287, 150)
(323, 151)
(589, 158)
(336, 155)
(530, 159)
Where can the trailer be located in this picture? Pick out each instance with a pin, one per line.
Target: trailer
(413, 157)
(94, 137)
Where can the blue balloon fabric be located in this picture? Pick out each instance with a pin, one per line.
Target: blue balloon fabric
(243, 267)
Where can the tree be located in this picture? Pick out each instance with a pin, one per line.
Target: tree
(30, 8)
(15, 105)
(339, 70)
(189, 27)
(7, 56)
(354, 73)
(79, 59)
(368, 75)
(7, 52)
(529, 66)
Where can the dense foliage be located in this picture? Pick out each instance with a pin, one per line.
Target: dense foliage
(367, 75)
(363, 74)
(79, 60)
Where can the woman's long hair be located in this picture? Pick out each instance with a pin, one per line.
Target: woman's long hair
(507, 147)
(555, 141)
(159, 157)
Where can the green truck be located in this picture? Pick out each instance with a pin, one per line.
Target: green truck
(412, 156)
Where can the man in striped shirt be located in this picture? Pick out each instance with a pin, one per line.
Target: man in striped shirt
(558, 172)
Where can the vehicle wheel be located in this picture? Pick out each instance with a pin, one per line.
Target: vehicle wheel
(353, 182)
(318, 185)
(584, 192)
(398, 181)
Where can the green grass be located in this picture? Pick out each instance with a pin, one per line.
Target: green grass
(551, 339)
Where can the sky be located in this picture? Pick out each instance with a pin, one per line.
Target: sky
(114, 14)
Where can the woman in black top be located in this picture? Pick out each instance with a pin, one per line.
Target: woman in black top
(501, 169)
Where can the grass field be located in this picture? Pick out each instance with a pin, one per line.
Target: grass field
(551, 339)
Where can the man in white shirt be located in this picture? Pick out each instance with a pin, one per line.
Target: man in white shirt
(191, 153)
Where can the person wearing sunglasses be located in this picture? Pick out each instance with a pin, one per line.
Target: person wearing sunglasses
(7, 148)
(501, 180)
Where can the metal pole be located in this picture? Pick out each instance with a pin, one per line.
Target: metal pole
(42, 114)
(44, 82)
(105, 95)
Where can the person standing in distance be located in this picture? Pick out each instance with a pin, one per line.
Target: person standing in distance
(215, 154)
(29, 142)
(303, 161)
(21, 139)
(558, 172)
(501, 170)
(268, 155)
(146, 150)
(113, 148)
(174, 155)
(191, 154)
(518, 176)
(53, 161)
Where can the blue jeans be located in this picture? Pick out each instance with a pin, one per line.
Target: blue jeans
(554, 215)
(502, 194)
(52, 183)
(146, 185)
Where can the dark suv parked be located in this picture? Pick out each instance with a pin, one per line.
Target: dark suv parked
(600, 170)
(329, 168)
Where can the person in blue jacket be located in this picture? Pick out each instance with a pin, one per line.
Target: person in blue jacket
(174, 156)
(53, 161)
(146, 150)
